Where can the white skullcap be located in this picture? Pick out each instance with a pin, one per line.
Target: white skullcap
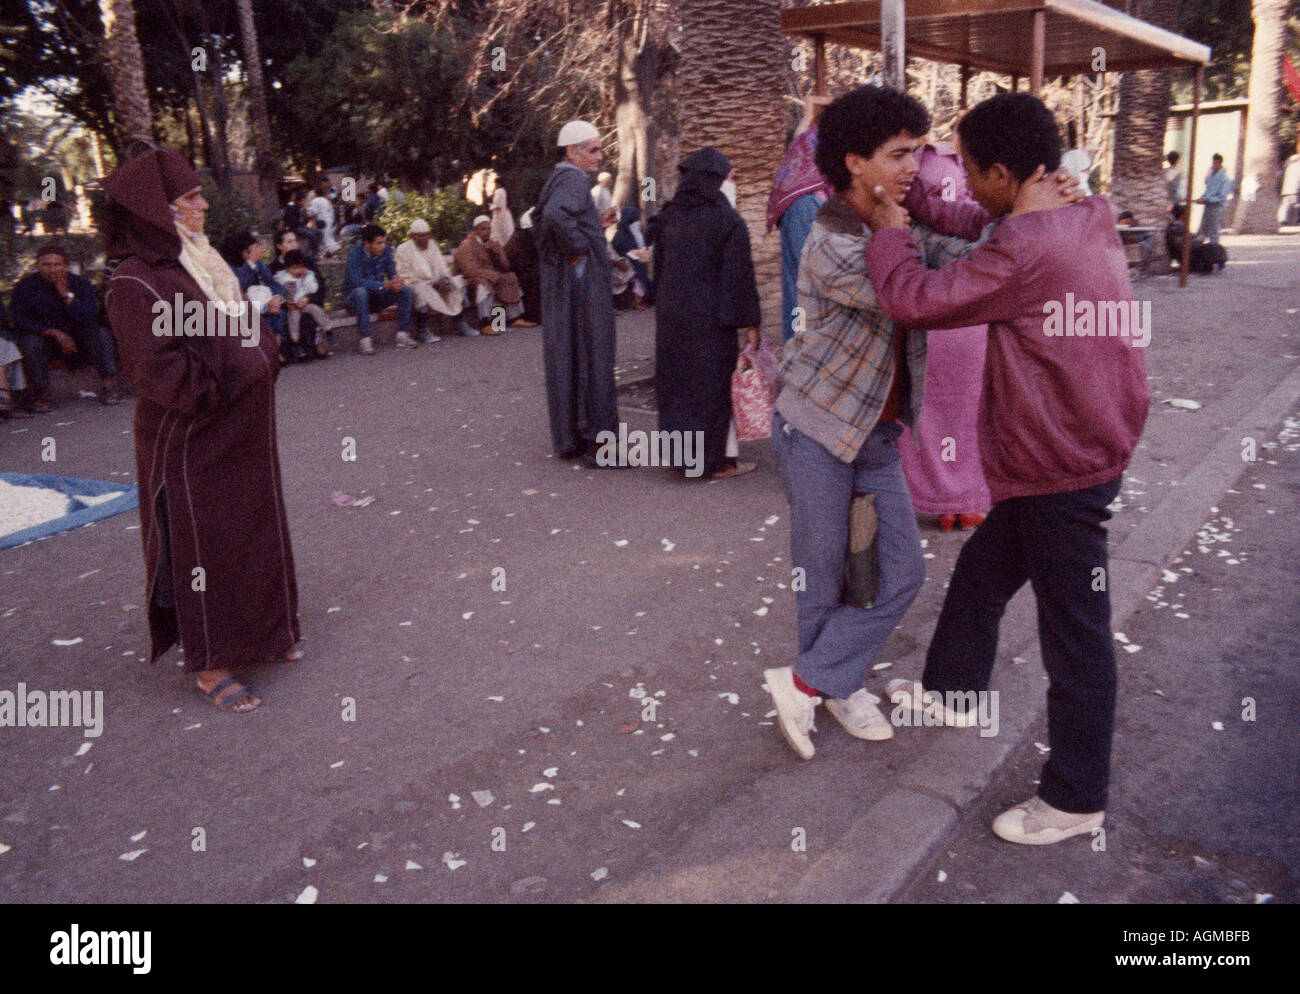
(1078, 163)
(482, 219)
(419, 227)
(576, 132)
(526, 219)
(601, 177)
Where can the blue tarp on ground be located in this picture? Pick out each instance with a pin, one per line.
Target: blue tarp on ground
(78, 513)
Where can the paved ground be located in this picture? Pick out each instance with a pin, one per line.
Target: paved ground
(1206, 802)
(620, 588)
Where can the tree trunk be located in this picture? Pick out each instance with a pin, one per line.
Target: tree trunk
(1138, 171)
(268, 170)
(125, 68)
(643, 59)
(205, 133)
(731, 96)
(1258, 201)
(220, 116)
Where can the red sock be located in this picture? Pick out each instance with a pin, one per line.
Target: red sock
(800, 685)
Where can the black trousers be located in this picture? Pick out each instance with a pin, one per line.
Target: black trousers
(1057, 543)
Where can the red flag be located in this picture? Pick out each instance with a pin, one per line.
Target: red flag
(1291, 76)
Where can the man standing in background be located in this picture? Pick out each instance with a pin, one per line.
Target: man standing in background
(1175, 183)
(1218, 188)
(577, 302)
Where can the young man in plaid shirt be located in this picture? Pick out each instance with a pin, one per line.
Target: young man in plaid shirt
(849, 377)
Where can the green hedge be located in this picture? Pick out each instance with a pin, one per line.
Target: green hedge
(228, 212)
(448, 214)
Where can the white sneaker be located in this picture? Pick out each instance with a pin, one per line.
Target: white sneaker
(1036, 823)
(860, 716)
(794, 710)
(429, 338)
(365, 346)
(908, 693)
(405, 341)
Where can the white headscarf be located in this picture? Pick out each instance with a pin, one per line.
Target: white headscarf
(216, 279)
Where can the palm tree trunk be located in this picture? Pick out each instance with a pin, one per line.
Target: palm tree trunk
(1258, 200)
(268, 170)
(731, 86)
(1138, 172)
(125, 68)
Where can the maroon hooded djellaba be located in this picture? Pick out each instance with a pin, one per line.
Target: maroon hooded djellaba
(211, 505)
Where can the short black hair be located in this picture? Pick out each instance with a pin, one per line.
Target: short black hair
(860, 122)
(294, 257)
(279, 236)
(1015, 129)
(234, 245)
(372, 231)
(52, 249)
(1217, 156)
(1173, 158)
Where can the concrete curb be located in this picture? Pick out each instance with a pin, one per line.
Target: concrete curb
(883, 849)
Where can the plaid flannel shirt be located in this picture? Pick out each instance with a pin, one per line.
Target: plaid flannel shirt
(837, 372)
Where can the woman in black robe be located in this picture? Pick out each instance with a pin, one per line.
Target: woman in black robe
(521, 253)
(705, 293)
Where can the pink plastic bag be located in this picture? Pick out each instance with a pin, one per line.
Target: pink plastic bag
(754, 387)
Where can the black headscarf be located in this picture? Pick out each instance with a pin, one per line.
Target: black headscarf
(702, 176)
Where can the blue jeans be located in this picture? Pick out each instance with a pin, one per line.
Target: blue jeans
(837, 642)
(795, 224)
(360, 301)
(93, 343)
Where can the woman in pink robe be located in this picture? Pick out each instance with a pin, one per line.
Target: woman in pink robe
(943, 466)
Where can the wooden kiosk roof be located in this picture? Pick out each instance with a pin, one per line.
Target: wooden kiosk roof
(1032, 38)
(999, 35)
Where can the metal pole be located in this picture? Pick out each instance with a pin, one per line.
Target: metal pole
(1191, 178)
(819, 65)
(892, 43)
(1039, 52)
(965, 78)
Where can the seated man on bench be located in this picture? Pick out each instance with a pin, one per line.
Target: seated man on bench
(55, 314)
(488, 277)
(371, 282)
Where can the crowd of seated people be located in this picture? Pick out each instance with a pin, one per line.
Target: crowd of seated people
(54, 315)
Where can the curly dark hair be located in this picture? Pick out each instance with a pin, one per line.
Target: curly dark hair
(1015, 129)
(860, 122)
